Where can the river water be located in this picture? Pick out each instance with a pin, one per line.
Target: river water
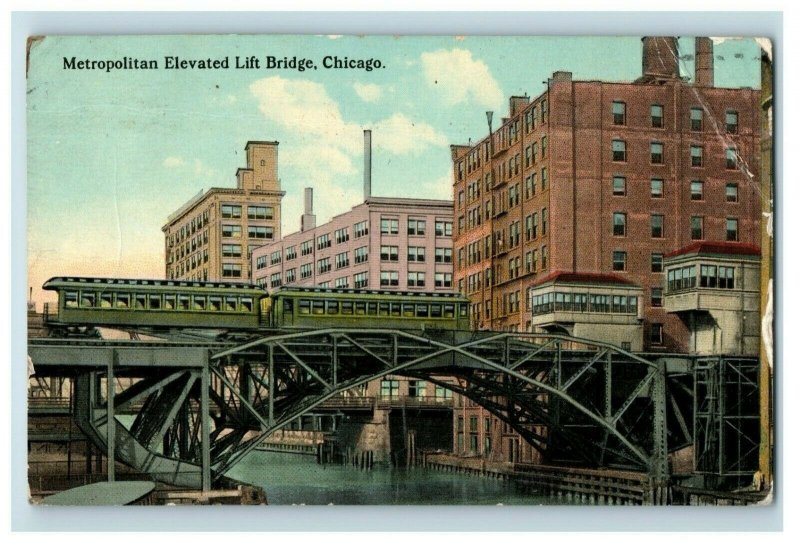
(297, 479)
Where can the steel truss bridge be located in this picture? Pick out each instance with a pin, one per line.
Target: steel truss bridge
(200, 407)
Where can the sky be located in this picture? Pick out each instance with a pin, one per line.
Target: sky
(112, 154)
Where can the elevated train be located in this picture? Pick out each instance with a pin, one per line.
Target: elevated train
(173, 304)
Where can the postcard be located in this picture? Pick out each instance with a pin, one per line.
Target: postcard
(385, 270)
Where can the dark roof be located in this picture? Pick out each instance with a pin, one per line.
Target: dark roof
(584, 277)
(717, 248)
(121, 281)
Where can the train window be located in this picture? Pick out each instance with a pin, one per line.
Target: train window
(246, 305)
(347, 308)
(304, 307)
(383, 309)
(449, 311)
(436, 311)
(215, 303)
(288, 306)
(372, 308)
(463, 310)
(123, 301)
(361, 308)
(318, 307)
(183, 302)
(408, 310)
(394, 310)
(139, 301)
(87, 299)
(422, 310)
(169, 301)
(332, 308)
(70, 299)
(199, 303)
(105, 300)
(230, 303)
(155, 301)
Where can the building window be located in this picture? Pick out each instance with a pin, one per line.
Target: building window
(443, 280)
(656, 188)
(656, 296)
(697, 228)
(416, 279)
(443, 255)
(618, 112)
(444, 228)
(619, 261)
(361, 280)
(656, 333)
(697, 155)
(730, 158)
(231, 231)
(291, 252)
(342, 235)
(389, 253)
(306, 270)
(544, 146)
(323, 265)
(275, 280)
(657, 116)
(390, 226)
(232, 251)
(731, 122)
(696, 119)
(341, 282)
(618, 184)
(361, 254)
(259, 212)
(656, 262)
(231, 211)
(261, 262)
(390, 278)
(544, 257)
(657, 226)
(732, 192)
(307, 247)
(416, 227)
(544, 178)
(697, 190)
(390, 388)
(360, 229)
(656, 153)
(275, 258)
(618, 151)
(231, 270)
(544, 221)
(323, 241)
(416, 254)
(732, 229)
(342, 260)
(619, 224)
(291, 275)
(259, 232)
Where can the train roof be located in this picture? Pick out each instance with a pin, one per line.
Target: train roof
(57, 282)
(454, 296)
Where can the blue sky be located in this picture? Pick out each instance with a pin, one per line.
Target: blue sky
(110, 155)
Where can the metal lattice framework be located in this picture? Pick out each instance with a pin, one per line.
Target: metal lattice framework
(199, 409)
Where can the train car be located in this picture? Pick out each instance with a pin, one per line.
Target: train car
(157, 304)
(299, 307)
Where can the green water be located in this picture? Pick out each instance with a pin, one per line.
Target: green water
(297, 479)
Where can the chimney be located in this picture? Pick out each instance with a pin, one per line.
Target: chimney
(660, 57)
(308, 220)
(703, 62)
(367, 164)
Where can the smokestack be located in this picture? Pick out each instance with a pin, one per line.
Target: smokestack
(703, 62)
(367, 164)
(308, 220)
(660, 57)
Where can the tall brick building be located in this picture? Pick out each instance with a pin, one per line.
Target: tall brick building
(211, 237)
(596, 181)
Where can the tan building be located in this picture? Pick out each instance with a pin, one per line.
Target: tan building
(211, 237)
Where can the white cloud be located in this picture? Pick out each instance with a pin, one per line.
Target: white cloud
(401, 135)
(368, 92)
(173, 162)
(459, 78)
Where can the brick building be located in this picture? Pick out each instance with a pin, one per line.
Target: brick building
(606, 178)
(211, 237)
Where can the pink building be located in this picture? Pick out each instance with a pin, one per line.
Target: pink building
(384, 243)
